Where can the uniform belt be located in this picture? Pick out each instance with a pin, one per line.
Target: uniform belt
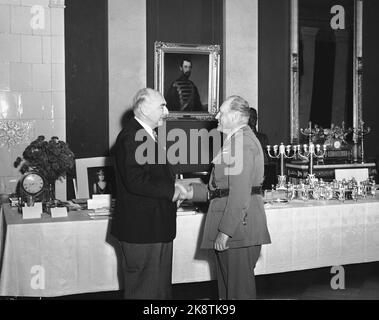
(220, 193)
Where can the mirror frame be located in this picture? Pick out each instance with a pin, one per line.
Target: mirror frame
(294, 65)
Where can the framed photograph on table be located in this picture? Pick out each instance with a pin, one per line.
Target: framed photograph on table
(187, 75)
(95, 176)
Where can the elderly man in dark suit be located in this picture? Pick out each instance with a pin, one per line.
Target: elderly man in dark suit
(235, 225)
(145, 213)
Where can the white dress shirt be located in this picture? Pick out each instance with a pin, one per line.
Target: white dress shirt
(147, 128)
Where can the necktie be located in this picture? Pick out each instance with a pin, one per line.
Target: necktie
(155, 135)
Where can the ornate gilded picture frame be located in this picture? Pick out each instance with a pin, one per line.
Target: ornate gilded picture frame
(187, 75)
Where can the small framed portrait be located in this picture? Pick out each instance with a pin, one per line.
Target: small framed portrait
(95, 176)
(187, 75)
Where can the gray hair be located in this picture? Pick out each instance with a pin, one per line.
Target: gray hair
(141, 97)
(241, 105)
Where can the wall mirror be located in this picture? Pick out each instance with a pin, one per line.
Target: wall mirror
(326, 64)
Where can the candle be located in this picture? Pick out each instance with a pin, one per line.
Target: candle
(294, 25)
(359, 29)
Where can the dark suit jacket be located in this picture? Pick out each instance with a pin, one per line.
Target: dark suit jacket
(144, 210)
(240, 215)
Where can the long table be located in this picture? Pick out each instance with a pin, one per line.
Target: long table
(53, 257)
(304, 235)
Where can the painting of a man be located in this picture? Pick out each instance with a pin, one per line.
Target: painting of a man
(183, 94)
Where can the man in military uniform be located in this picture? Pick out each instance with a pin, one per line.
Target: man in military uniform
(235, 225)
(183, 94)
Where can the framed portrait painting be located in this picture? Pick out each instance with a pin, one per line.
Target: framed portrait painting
(187, 75)
(95, 176)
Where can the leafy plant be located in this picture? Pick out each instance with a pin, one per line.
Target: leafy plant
(53, 158)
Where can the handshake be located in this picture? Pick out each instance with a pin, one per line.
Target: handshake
(183, 191)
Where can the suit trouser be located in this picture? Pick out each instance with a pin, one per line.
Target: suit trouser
(235, 272)
(147, 270)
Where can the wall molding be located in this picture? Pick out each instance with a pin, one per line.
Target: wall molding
(57, 4)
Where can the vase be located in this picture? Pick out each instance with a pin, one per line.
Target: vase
(52, 190)
(50, 195)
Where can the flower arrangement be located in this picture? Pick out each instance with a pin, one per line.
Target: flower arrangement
(336, 133)
(53, 159)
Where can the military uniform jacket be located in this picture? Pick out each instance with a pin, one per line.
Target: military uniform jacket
(240, 215)
(183, 95)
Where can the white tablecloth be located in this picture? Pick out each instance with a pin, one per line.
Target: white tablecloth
(319, 236)
(54, 257)
(77, 254)
(304, 235)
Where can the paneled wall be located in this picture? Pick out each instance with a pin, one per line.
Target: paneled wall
(241, 50)
(127, 58)
(371, 76)
(87, 77)
(87, 107)
(182, 21)
(273, 69)
(32, 80)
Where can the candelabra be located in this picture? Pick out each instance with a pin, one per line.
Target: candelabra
(311, 132)
(359, 133)
(310, 151)
(281, 152)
